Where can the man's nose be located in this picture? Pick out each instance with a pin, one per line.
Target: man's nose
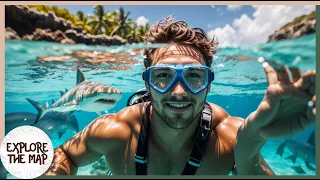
(179, 90)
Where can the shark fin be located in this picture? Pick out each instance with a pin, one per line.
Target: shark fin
(281, 149)
(99, 113)
(309, 166)
(311, 139)
(40, 108)
(298, 169)
(80, 76)
(53, 101)
(61, 93)
(293, 158)
(66, 90)
(60, 134)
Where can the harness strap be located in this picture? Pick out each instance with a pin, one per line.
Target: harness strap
(194, 161)
(141, 156)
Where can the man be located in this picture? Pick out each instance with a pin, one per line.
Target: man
(166, 129)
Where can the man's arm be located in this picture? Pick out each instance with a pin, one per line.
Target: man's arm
(82, 149)
(248, 158)
(264, 168)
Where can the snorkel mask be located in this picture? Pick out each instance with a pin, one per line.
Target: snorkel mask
(163, 78)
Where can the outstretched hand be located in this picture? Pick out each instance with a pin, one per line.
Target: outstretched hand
(288, 106)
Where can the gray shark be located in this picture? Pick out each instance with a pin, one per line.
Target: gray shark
(52, 123)
(85, 96)
(306, 151)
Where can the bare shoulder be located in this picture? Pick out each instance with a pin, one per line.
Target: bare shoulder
(221, 117)
(226, 126)
(115, 128)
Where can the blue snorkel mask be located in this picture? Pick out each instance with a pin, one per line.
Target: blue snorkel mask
(163, 78)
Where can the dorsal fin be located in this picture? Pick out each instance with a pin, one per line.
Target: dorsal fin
(80, 76)
(61, 93)
(53, 101)
(311, 139)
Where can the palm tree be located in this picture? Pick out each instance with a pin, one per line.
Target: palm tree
(112, 21)
(124, 23)
(83, 21)
(99, 21)
(132, 35)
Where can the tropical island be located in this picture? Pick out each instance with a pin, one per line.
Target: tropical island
(300, 26)
(54, 24)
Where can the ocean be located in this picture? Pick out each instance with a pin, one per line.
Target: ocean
(239, 85)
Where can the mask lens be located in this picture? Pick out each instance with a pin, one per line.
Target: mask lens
(162, 77)
(196, 78)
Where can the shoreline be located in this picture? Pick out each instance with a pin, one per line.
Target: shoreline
(39, 26)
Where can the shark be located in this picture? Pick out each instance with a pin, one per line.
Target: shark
(306, 151)
(86, 95)
(54, 124)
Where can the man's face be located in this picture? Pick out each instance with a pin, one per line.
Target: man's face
(166, 104)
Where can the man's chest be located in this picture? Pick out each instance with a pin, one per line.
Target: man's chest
(160, 163)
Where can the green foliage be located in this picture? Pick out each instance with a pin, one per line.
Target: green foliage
(59, 12)
(101, 22)
(310, 16)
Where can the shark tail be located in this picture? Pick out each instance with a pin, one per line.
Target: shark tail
(309, 166)
(298, 169)
(280, 149)
(40, 108)
(293, 158)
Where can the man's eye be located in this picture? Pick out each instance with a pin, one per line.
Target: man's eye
(163, 75)
(194, 75)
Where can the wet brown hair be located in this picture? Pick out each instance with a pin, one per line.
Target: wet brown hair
(169, 31)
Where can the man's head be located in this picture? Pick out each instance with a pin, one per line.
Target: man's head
(186, 46)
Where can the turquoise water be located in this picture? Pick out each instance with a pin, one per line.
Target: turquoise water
(238, 87)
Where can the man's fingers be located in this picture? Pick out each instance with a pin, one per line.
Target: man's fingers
(314, 105)
(283, 75)
(288, 91)
(295, 73)
(306, 81)
(272, 76)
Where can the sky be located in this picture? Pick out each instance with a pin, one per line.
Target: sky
(233, 26)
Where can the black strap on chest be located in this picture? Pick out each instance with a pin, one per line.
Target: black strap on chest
(193, 162)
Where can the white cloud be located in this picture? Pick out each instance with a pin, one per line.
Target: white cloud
(213, 6)
(233, 7)
(142, 21)
(251, 31)
(226, 36)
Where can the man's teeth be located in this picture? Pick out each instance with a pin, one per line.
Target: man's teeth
(178, 105)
